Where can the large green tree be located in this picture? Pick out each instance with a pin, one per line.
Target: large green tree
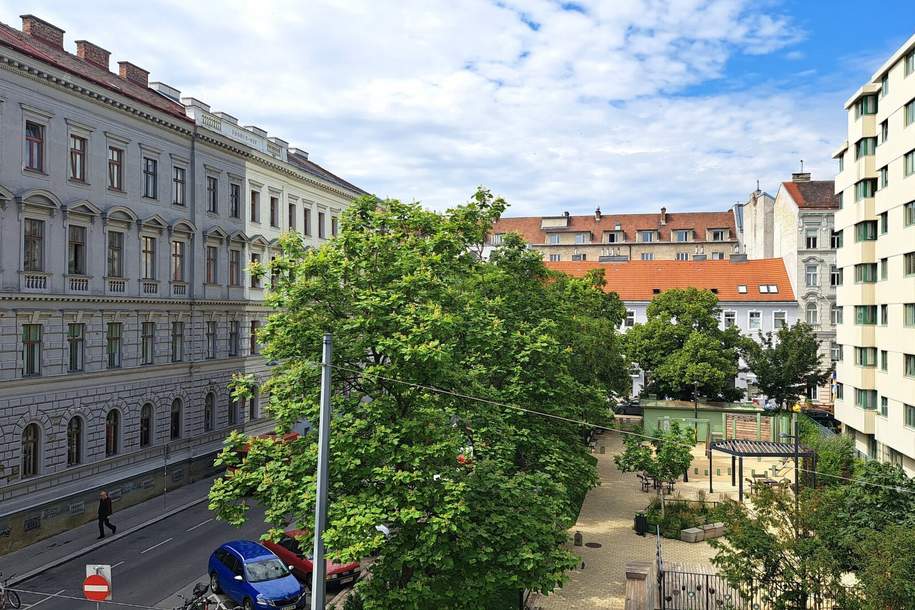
(477, 496)
(682, 347)
(787, 363)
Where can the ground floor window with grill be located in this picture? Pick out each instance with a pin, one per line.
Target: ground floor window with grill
(31, 350)
(31, 451)
(112, 432)
(232, 417)
(75, 441)
(175, 420)
(76, 341)
(114, 345)
(254, 406)
(146, 422)
(209, 411)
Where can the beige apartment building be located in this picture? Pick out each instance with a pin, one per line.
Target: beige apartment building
(875, 392)
(662, 236)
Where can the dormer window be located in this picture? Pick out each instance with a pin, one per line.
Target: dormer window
(773, 289)
(719, 234)
(682, 235)
(614, 237)
(497, 239)
(646, 236)
(763, 288)
(552, 239)
(742, 288)
(582, 238)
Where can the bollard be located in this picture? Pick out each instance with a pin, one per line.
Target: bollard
(578, 539)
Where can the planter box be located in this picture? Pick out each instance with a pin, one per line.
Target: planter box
(719, 529)
(692, 534)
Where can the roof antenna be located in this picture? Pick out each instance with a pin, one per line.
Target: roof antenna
(802, 166)
(757, 184)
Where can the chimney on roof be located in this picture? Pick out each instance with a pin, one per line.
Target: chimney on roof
(94, 54)
(597, 215)
(800, 177)
(42, 30)
(663, 216)
(132, 73)
(566, 214)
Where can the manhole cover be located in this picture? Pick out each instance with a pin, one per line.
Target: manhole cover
(593, 545)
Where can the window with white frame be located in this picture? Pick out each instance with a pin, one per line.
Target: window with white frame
(647, 256)
(552, 239)
(717, 256)
(629, 322)
(779, 319)
(682, 256)
(730, 319)
(555, 258)
(810, 238)
(812, 275)
(812, 314)
(754, 321)
(646, 236)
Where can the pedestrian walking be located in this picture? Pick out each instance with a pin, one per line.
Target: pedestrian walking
(104, 511)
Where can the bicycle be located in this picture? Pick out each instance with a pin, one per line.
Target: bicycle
(198, 599)
(8, 597)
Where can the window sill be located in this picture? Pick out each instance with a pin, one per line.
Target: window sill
(31, 171)
(77, 182)
(148, 198)
(117, 191)
(179, 205)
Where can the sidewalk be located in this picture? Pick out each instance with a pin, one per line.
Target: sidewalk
(606, 521)
(82, 539)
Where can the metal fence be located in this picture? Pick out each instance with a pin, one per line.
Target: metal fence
(681, 590)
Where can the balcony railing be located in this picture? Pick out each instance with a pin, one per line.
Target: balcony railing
(35, 281)
(179, 289)
(78, 284)
(150, 287)
(117, 286)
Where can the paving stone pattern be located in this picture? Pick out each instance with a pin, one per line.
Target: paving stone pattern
(606, 518)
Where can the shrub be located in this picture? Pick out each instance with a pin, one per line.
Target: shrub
(683, 514)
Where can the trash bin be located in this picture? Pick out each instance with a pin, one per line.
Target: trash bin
(641, 524)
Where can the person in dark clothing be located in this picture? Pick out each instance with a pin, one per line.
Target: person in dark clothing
(104, 511)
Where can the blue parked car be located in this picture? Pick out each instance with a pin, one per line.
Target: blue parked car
(254, 577)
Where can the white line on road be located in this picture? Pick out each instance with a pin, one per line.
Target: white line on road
(191, 529)
(157, 545)
(117, 564)
(44, 599)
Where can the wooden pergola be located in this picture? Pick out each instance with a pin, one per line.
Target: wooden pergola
(739, 449)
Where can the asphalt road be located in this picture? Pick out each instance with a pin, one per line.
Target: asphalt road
(148, 566)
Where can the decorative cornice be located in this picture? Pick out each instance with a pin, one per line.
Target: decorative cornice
(31, 297)
(19, 66)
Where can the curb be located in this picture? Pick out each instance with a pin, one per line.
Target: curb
(107, 540)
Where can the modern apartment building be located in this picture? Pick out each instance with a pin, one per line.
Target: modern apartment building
(753, 295)
(663, 236)
(797, 226)
(875, 392)
(128, 218)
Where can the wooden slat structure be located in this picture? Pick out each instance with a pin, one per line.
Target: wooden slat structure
(740, 448)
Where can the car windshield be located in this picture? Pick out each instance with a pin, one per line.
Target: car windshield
(267, 569)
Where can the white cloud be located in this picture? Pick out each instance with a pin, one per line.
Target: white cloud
(554, 109)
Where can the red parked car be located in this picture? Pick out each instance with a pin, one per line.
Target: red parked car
(289, 550)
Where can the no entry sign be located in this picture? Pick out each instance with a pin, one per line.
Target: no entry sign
(96, 588)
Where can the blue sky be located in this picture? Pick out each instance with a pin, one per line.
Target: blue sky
(624, 104)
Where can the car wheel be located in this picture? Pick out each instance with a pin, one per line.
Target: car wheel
(249, 605)
(214, 583)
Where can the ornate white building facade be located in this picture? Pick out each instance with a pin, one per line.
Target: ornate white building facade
(128, 218)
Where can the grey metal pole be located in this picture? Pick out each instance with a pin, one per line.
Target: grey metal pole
(797, 481)
(318, 568)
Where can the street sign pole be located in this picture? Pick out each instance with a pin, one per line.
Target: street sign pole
(318, 568)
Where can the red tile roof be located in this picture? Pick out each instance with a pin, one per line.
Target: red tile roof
(637, 280)
(699, 222)
(61, 59)
(818, 194)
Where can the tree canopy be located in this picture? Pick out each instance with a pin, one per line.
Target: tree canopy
(787, 363)
(664, 454)
(477, 496)
(682, 347)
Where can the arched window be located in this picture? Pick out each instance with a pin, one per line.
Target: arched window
(31, 450)
(146, 423)
(75, 441)
(253, 406)
(175, 421)
(812, 314)
(232, 418)
(209, 411)
(112, 432)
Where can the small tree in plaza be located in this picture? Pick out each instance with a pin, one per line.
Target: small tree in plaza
(787, 363)
(664, 455)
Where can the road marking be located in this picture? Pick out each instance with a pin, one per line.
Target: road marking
(117, 564)
(157, 545)
(44, 599)
(191, 529)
